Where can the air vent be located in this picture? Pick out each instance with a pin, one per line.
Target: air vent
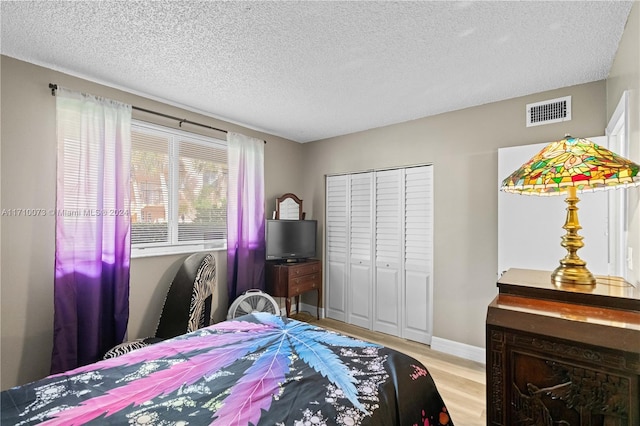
(547, 112)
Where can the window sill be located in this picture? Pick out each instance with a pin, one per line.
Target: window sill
(173, 250)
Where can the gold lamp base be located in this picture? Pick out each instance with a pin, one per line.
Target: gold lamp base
(567, 277)
(572, 270)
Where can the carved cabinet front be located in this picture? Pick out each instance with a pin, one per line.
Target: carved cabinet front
(558, 363)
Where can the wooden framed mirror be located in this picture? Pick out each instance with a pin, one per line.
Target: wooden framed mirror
(289, 206)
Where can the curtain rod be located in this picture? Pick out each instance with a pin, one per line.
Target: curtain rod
(54, 87)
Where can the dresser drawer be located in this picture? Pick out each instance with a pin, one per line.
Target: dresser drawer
(303, 269)
(302, 284)
(290, 280)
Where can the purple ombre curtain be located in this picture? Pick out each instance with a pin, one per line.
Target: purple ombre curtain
(91, 287)
(245, 215)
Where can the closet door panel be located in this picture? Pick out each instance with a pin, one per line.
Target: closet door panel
(417, 316)
(388, 251)
(359, 296)
(336, 230)
(337, 291)
(418, 254)
(387, 299)
(360, 249)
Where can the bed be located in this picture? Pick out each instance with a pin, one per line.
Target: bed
(257, 369)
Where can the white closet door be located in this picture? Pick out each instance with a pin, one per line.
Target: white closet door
(337, 196)
(360, 248)
(379, 251)
(388, 251)
(418, 254)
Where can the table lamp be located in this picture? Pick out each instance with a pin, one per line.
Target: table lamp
(569, 166)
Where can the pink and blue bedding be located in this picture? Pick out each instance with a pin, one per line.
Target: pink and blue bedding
(258, 369)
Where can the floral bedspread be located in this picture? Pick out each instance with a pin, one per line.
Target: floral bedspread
(258, 369)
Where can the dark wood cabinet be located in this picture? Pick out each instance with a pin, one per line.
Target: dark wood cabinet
(562, 356)
(292, 279)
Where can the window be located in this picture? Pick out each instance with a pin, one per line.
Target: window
(178, 191)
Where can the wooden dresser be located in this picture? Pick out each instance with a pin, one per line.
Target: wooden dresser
(562, 356)
(292, 279)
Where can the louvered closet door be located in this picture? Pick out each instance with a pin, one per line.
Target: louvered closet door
(388, 251)
(336, 229)
(360, 250)
(418, 254)
(379, 243)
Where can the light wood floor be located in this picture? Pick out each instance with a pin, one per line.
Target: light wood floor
(461, 382)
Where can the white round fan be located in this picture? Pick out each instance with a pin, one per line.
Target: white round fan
(252, 301)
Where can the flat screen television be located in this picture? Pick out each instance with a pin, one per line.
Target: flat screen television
(291, 240)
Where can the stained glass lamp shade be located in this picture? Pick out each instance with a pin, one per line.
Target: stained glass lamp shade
(569, 166)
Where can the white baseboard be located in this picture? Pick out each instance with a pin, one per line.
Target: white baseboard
(462, 350)
(304, 307)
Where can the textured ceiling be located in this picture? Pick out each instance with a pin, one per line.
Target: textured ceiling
(311, 70)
